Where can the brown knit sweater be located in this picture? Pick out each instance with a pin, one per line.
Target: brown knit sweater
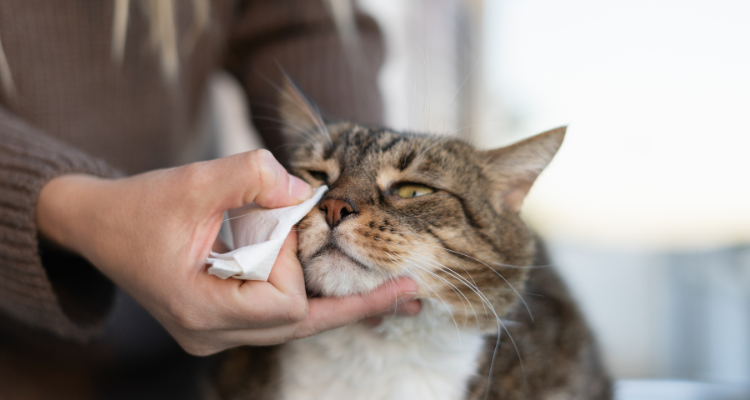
(76, 110)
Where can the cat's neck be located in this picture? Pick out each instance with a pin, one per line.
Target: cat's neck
(425, 356)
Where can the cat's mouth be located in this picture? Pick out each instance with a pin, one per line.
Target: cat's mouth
(332, 271)
(333, 250)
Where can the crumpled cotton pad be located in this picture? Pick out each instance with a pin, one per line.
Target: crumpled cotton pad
(258, 235)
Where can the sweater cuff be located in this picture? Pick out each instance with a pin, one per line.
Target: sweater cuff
(45, 288)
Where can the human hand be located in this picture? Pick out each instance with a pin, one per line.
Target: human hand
(151, 234)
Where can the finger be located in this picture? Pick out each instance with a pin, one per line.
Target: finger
(258, 304)
(403, 309)
(286, 281)
(330, 313)
(220, 247)
(287, 275)
(256, 176)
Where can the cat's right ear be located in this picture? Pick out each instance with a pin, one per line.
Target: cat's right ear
(299, 116)
(517, 166)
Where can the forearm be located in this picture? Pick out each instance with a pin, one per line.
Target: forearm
(30, 290)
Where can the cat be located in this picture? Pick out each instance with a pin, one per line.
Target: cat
(496, 321)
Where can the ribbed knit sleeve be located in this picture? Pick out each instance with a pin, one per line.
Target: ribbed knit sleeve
(299, 36)
(66, 295)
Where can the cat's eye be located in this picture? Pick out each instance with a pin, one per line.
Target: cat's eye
(319, 175)
(410, 190)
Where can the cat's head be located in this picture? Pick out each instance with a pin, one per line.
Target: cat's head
(416, 205)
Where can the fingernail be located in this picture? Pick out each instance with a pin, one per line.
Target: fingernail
(406, 296)
(406, 285)
(299, 188)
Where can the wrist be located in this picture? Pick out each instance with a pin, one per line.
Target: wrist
(60, 213)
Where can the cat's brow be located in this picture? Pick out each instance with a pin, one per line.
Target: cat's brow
(407, 160)
(394, 142)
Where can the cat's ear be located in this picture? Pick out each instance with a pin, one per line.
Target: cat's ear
(518, 165)
(299, 116)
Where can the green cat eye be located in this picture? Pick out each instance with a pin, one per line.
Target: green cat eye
(411, 190)
(319, 175)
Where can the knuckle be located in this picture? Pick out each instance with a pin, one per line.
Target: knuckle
(302, 332)
(297, 309)
(264, 166)
(196, 349)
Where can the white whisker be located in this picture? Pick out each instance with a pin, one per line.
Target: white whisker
(479, 261)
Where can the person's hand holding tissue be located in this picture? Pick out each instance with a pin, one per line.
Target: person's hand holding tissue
(151, 234)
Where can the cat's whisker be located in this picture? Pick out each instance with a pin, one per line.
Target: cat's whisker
(510, 290)
(232, 218)
(474, 289)
(485, 264)
(427, 89)
(295, 98)
(460, 266)
(458, 332)
(414, 105)
(392, 280)
(461, 86)
(500, 326)
(422, 154)
(455, 275)
(285, 146)
(499, 264)
(285, 123)
(464, 300)
(462, 296)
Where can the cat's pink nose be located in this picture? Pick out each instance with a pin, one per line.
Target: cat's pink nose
(336, 210)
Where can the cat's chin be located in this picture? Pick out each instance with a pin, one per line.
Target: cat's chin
(333, 273)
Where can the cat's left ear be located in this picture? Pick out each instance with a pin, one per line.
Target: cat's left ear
(299, 115)
(518, 165)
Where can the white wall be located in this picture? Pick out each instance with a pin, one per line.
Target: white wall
(647, 203)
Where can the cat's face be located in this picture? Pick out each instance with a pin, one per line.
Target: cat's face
(420, 206)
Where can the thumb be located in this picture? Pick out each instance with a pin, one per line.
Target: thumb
(256, 176)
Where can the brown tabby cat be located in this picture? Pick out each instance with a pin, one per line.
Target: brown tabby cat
(439, 211)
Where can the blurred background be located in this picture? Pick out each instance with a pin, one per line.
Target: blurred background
(647, 206)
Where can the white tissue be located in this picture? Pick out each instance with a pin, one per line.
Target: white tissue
(258, 235)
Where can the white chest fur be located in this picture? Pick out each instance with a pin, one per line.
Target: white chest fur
(404, 359)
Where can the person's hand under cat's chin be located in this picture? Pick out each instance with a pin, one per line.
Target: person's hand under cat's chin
(151, 233)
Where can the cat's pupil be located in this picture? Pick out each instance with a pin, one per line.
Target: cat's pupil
(319, 175)
(412, 190)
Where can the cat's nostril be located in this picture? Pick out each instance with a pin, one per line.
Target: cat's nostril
(336, 210)
(345, 212)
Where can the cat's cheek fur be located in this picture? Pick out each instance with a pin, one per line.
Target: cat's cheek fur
(312, 235)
